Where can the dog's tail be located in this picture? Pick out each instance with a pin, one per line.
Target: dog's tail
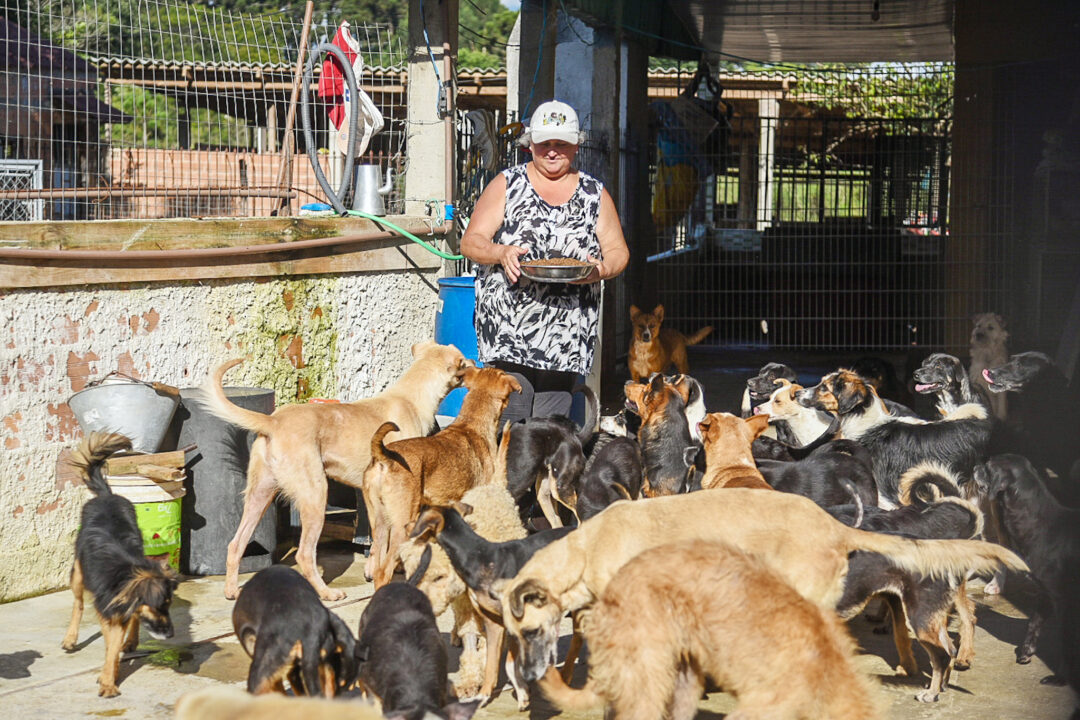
(213, 398)
(90, 455)
(927, 483)
(382, 454)
(699, 335)
(592, 414)
(937, 558)
(565, 697)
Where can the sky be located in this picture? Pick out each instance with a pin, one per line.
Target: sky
(511, 4)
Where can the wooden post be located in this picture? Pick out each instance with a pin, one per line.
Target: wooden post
(285, 168)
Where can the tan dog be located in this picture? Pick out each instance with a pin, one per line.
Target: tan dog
(989, 349)
(683, 611)
(299, 446)
(222, 702)
(653, 348)
(728, 460)
(805, 545)
(435, 470)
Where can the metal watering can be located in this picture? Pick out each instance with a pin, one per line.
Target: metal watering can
(367, 195)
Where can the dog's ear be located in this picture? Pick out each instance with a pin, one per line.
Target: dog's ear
(781, 381)
(705, 424)
(849, 393)
(659, 313)
(656, 383)
(531, 592)
(635, 313)
(429, 524)
(420, 347)
(463, 509)
(511, 381)
(690, 454)
(758, 424)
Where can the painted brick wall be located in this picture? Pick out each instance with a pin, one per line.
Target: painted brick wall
(329, 336)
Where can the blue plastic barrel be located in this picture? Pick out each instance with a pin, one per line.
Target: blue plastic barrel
(454, 326)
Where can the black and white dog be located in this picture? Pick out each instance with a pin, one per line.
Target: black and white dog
(899, 443)
(943, 376)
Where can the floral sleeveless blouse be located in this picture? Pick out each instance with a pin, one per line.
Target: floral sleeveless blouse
(548, 326)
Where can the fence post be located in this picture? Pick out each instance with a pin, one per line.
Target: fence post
(287, 149)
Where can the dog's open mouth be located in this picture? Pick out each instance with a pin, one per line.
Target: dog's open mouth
(927, 387)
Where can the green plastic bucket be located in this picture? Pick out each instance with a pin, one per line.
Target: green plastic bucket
(159, 523)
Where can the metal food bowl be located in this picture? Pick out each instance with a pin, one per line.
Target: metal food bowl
(556, 273)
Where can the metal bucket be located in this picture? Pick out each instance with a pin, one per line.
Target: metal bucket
(132, 408)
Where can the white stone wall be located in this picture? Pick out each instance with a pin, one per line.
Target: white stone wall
(344, 337)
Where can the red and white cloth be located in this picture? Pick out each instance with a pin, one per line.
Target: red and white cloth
(334, 90)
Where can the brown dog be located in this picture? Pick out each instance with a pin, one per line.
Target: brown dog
(797, 539)
(989, 349)
(728, 460)
(654, 348)
(692, 609)
(299, 446)
(435, 470)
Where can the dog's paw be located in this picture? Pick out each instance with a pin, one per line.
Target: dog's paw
(231, 591)
(69, 643)
(962, 665)
(927, 696)
(332, 594)
(107, 690)
(1055, 680)
(1023, 657)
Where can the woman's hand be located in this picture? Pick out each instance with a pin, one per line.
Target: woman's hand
(595, 275)
(509, 256)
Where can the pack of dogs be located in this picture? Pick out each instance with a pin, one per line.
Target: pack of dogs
(691, 549)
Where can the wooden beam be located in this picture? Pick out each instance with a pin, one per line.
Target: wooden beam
(181, 233)
(378, 256)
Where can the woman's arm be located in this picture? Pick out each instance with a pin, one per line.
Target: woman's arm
(487, 218)
(612, 243)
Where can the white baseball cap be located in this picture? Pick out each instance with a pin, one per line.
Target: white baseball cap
(553, 120)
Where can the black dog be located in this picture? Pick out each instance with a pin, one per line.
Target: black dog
(404, 658)
(943, 376)
(288, 633)
(479, 562)
(881, 373)
(760, 387)
(1043, 413)
(111, 564)
(549, 446)
(1046, 535)
(823, 475)
(614, 471)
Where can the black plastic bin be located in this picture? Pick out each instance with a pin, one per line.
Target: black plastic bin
(217, 476)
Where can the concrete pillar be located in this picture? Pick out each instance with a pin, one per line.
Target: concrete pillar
(768, 117)
(536, 64)
(426, 178)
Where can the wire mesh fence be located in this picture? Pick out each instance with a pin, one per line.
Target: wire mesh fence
(162, 108)
(810, 207)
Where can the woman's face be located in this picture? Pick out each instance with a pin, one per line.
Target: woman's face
(554, 158)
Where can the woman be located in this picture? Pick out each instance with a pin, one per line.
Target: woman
(543, 333)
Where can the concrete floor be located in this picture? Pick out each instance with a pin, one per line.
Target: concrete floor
(38, 679)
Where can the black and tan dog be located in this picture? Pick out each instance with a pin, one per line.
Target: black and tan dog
(403, 655)
(110, 563)
(899, 443)
(289, 634)
(668, 448)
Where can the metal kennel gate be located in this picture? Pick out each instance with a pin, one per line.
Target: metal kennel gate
(809, 209)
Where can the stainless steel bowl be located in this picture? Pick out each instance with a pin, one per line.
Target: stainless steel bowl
(556, 273)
